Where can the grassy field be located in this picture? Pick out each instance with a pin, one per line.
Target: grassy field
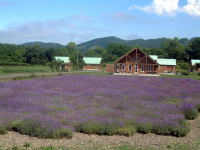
(193, 76)
(23, 69)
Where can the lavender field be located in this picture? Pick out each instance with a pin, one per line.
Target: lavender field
(98, 104)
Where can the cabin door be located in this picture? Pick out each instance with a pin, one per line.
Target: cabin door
(130, 69)
(136, 69)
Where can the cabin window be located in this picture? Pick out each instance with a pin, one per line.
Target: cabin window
(136, 68)
(149, 68)
(142, 68)
(123, 67)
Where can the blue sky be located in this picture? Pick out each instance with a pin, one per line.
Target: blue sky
(63, 21)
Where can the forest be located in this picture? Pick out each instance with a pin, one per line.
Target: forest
(22, 55)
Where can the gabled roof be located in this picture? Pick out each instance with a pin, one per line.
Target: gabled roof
(195, 61)
(164, 62)
(167, 62)
(64, 59)
(154, 57)
(92, 60)
(134, 50)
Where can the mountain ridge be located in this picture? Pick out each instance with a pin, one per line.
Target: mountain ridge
(104, 41)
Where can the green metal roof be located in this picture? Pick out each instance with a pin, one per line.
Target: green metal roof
(154, 57)
(92, 60)
(167, 62)
(195, 61)
(64, 59)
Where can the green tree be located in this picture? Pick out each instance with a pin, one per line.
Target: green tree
(174, 49)
(76, 58)
(114, 51)
(193, 49)
(71, 46)
(95, 51)
(57, 65)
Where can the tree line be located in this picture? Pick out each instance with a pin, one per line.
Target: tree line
(35, 55)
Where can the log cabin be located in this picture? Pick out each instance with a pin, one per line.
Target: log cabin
(66, 61)
(138, 62)
(92, 63)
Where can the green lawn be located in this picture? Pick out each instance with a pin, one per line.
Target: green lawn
(195, 77)
(23, 69)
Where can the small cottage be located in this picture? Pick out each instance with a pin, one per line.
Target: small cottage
(194, 63)
(92, 63)
(165, 65)
(66, 60)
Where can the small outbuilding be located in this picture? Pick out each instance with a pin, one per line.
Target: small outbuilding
(92, 63)
(165, 65)
(194, 63)
(66, 60)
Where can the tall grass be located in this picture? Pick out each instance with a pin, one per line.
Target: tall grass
(23, 69)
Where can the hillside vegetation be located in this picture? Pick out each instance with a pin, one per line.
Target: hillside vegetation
(109, 48)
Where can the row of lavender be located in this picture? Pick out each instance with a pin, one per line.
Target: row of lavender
(55, 107)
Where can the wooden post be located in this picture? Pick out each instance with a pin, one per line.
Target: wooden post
(153, 68)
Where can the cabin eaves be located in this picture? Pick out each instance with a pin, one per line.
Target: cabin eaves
(92, 60)
(64, 59)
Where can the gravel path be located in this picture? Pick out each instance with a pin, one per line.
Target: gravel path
(82, 140)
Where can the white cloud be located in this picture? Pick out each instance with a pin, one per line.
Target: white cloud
(170, 7)
(192, 8)
(61, 30)
(160, 7)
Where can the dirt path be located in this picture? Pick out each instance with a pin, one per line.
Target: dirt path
(83, 140)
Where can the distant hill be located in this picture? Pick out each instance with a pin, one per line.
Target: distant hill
(44, 45)
(103, 42)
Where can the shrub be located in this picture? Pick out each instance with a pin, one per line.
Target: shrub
(162, 130)
(127, 131)
(88, 127)
(108, 129)
(144, 128)
(60, 133)
(178, 131)
(14, 126)
(198, 107)
(3, 130)
(97, 128)
(185, 73)
(37, 128)
(190, 112)
(27, 145)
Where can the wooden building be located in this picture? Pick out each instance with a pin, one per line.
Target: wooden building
(66, 60)
(138, 62)
(195, 64)
(92, 63)
(165, 65)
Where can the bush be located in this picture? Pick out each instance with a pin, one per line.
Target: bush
(97, 128)
(144, 128)
(170, 130)
(88, 127)
(127, 131)
(198, 107)
(36, 128)
(189, 111)
(60, 133)
(3, 130)
(185, 73)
